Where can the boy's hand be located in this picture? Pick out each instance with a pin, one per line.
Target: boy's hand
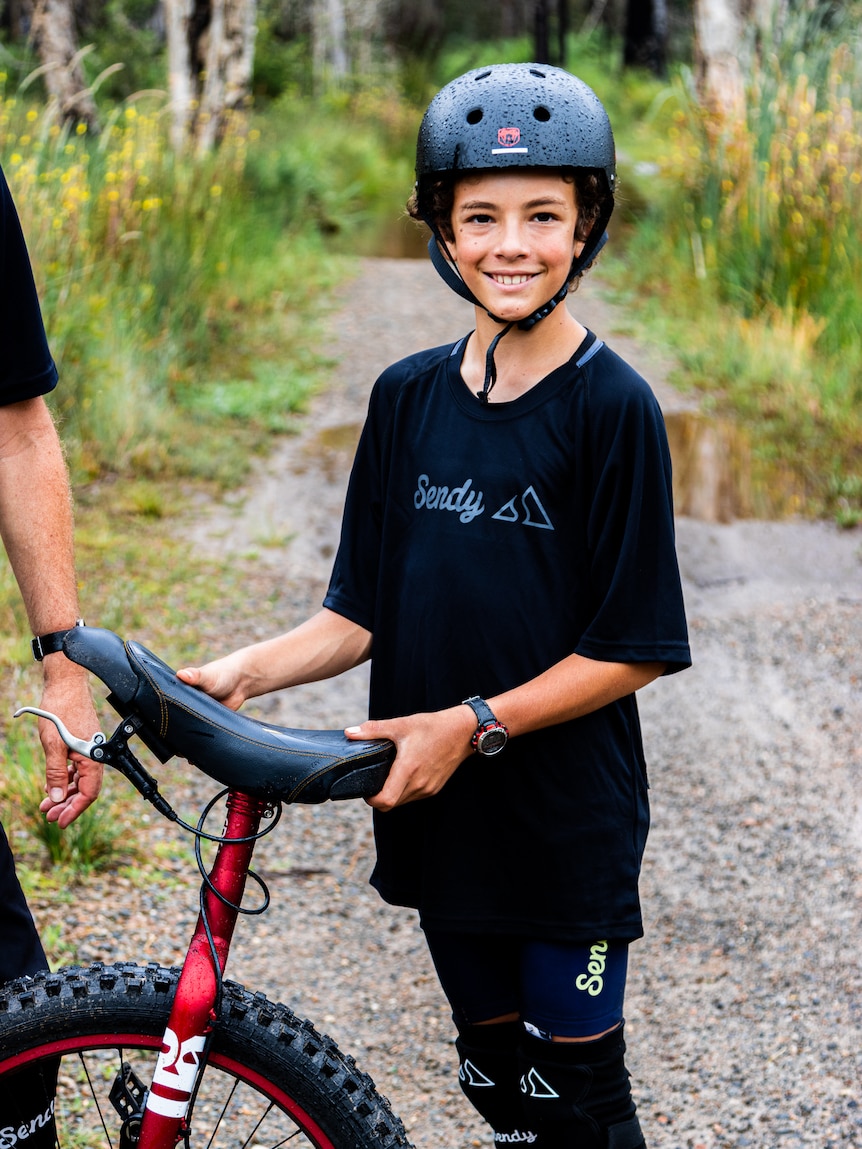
(430, 748)
(221, 679)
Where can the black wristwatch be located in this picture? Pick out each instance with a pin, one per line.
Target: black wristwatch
(491, 736)
(51, 643)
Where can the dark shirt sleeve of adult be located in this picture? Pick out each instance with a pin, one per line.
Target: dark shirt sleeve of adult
(26, 366)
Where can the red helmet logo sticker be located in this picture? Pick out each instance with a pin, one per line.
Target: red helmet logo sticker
(508, 138)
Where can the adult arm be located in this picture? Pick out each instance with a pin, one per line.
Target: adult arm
(430, 747)
(325, 645)
(36, 527)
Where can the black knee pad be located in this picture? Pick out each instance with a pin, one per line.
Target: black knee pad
(578, 1093)
(489, 1075)
(27, 1108)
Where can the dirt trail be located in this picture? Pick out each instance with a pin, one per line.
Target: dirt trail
(743, 1009)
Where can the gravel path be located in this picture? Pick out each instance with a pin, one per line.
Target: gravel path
(743, 1010)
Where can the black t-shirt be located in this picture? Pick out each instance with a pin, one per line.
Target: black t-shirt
(26, 366)
(481, 544)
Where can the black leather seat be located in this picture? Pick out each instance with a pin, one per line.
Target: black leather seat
(273, 762)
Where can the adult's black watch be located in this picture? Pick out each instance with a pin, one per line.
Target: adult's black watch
(491, 736)
(44, 644)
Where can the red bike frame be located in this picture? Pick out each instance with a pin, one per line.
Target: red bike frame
(193, 1013)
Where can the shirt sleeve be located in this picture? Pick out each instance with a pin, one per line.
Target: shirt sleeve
(26, 366)
(638, 613)
(353, 585)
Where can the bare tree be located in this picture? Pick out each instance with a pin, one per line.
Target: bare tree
(331, 61)
(53, 32)
(210, 61)
(721, 28)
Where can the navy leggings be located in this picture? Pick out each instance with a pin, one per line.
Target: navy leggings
(561, 989)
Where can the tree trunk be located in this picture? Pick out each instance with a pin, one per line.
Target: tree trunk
(718, 39)
(541, 33)
(228, 65)
(331, 61)
(646, 35)
(53, 31)
(210, 61)
(181, 78)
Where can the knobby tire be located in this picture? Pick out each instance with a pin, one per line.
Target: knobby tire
(271, 1080)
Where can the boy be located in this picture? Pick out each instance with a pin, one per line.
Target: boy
(508, 541)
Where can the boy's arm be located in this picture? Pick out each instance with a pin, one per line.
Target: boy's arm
(432, 746)
(36, 528)
(325, 645)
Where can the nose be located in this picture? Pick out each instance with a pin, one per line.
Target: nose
(511, 239)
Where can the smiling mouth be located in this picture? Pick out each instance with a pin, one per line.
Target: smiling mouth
(509, 280)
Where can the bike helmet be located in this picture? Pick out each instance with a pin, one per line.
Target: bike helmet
(514, 116)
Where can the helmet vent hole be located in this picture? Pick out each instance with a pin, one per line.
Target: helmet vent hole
(537, 73)
(542, 114)
(475, 115)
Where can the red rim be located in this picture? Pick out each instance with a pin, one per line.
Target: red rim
(64, 1046)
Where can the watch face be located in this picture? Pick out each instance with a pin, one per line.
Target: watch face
(492, 741)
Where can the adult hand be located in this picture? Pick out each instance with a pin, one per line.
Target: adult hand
(72, 782)
(430, 748)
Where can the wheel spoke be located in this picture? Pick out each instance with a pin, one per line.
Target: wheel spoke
(221, 1115)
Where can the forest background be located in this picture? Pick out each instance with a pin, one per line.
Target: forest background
(195, 177)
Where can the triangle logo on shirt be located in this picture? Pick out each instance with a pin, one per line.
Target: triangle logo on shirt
(530, 514)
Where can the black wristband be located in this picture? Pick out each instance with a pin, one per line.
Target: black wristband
(480, 708)
(51, 643)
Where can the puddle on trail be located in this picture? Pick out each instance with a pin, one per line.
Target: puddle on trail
(713, 475)
(715, 478)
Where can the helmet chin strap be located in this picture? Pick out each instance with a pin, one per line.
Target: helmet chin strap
(447, 268)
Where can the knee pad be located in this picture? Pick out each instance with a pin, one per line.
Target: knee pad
(489, 1075)
(578, 1093)
(27, 1108)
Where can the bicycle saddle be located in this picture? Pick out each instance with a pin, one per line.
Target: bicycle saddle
(271, 762)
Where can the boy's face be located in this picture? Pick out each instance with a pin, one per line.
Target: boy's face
(514, 238)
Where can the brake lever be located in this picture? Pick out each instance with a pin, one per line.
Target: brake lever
(79, 745)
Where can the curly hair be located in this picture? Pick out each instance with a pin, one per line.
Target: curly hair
(432, 201)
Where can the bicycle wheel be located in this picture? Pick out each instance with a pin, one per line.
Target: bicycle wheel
(271, 1078)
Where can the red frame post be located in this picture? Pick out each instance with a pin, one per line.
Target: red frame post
(193, 1010)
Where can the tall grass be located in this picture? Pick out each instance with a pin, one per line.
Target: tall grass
(160, 276)
(755, 234)
(774, 204)
(129, 246)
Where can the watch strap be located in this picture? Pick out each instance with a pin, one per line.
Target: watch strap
(484, 713)
(51, 643)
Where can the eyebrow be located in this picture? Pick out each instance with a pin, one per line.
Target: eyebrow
(542, 201)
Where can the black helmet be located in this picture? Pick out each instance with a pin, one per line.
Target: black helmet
(519, 115)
